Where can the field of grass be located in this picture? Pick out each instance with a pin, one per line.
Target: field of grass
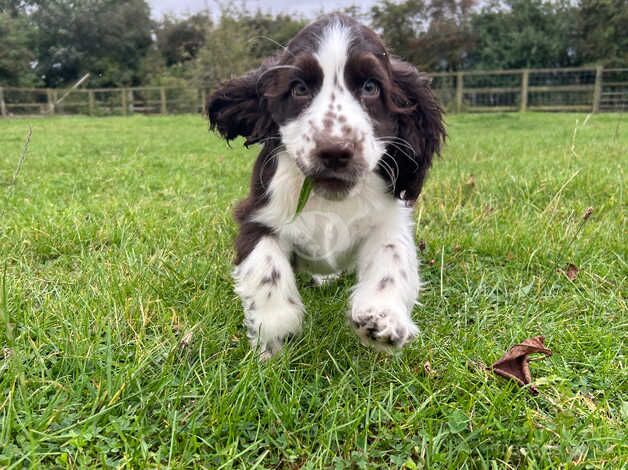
(122, 339)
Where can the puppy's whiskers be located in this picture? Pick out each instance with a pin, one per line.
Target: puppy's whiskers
(273, 69)
(389, 171)
(271, 40)
(271, 156)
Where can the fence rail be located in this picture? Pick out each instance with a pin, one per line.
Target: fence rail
(567, 89)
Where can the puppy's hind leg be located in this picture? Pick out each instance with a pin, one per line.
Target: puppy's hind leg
(265, 282)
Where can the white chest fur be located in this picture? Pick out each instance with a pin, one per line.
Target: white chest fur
(326, 235)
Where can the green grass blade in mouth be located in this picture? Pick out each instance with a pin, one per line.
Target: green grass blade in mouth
(304, 195)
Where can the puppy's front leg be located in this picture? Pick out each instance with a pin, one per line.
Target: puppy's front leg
(265, 282)
(387, 289)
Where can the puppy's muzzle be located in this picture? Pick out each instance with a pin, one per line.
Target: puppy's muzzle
(335, 154)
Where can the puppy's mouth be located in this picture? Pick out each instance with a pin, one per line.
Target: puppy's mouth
(333, 183)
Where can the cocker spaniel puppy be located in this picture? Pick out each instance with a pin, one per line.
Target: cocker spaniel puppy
(333, 107)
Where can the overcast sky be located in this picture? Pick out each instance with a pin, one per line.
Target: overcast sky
(308, 8)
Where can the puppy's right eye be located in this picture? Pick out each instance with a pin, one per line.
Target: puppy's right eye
(300, 90)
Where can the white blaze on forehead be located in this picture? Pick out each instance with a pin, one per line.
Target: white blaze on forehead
(333, 51)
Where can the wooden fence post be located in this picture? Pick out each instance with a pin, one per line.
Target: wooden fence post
(597, 88)
(123, 99)
(3, 105)
(459, 90)
(163, 101)
(51, 97)
(523, 101)
(92, 102)
(131, 101)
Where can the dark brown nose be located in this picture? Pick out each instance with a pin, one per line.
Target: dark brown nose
(335, 155)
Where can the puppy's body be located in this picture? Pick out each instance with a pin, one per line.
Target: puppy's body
(333, 107)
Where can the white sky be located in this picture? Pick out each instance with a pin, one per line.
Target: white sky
(307, 8)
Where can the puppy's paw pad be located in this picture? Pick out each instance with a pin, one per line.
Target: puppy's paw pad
(383, 328)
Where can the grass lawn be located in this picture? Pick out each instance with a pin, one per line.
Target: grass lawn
(122, 336)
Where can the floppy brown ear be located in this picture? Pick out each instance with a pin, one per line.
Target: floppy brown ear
(420, 124)
(238, 108)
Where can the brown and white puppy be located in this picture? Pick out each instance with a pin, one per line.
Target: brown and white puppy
(336, 107)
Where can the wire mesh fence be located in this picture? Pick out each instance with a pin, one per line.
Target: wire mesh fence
(614, 90)
(567, 89)
(100, 101)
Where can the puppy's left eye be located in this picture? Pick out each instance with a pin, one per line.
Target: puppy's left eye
(370, 89)
(300, 90)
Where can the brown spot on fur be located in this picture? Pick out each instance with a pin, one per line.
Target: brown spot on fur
(272, 278)
(385, 282)
(342, 119)
(250, 233)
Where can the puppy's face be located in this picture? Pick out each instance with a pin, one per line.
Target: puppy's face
(340, 107)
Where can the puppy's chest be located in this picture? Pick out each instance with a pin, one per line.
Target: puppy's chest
(325, 237)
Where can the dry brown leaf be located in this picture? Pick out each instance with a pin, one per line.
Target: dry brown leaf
(515, 363)
(186, 340)
(587, 213)
(571, 271)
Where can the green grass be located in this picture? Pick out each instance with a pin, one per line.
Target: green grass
(116, 246)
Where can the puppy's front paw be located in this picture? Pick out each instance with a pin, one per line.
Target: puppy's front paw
(269, 331)
(384, 328)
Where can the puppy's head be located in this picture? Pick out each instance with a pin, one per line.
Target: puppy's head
(341, 107)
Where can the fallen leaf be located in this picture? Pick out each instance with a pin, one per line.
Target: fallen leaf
(587, 213)
(515, 363)
(571, 271)
(7, 353)
(186, 340)
(427, 367)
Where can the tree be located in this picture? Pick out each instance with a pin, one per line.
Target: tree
(448, 40)
(179, 40)
(269, 33)
(16, 55)
(434, 35)
(524, 33)
(226, 53)
(603, 32)
(399, 24)
(107, 38)
(239, 42)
